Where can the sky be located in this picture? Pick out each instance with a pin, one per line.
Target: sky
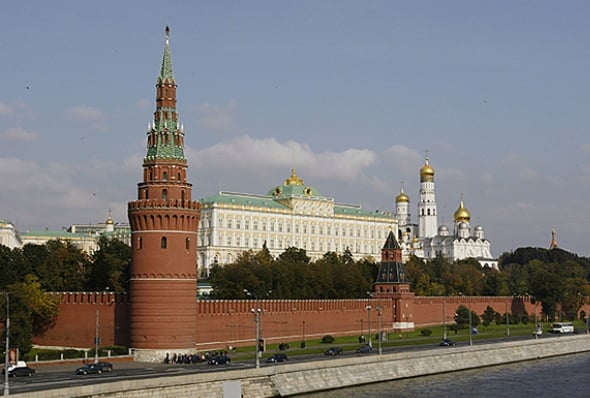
(351, 94)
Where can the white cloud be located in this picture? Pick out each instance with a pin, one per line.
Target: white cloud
(19, 134)
(246, 153)
(84, 113)
(217, 117)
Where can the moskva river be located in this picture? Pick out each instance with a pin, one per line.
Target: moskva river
(566, 376)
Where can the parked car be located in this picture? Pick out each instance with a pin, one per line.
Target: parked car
(22, 371)
(92, 368)
(538, 331)
(333, 351)
(220, 360)
(277, 358)
(447, 343)
(364, 349)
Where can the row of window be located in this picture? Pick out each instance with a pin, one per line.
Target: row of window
(277, 226)
(279, 243)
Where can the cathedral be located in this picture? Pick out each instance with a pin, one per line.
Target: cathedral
(428, 239)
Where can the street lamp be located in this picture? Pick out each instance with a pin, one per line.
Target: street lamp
(369, 313)
(7, 348)
(507, 324)
(256, 313)
(444, 319)
(470, 328)
(379, 327)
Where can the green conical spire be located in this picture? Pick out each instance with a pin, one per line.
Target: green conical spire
(166, 71)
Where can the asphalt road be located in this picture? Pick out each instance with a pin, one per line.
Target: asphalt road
(61, 376)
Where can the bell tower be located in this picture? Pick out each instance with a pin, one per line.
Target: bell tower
(164, 221)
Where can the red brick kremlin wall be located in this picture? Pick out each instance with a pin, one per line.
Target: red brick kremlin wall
(221, 323)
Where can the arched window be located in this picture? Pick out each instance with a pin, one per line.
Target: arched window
(164, 176)
(187, 243)
(164, 194)
(139, 243)
(178, 177)
(163, 243)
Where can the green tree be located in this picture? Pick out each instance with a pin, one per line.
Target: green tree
(488, 316)
(65, 269)
(110, 266)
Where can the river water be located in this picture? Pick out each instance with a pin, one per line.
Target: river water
(565, 376)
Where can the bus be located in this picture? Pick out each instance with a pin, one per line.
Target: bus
(562, 327)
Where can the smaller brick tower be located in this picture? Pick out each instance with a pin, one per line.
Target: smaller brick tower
(164, 223)
(392, 283)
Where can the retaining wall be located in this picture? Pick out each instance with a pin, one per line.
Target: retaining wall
(293, 379)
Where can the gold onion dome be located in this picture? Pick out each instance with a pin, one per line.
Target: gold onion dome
(402, 198)
(462, 214)
(426, 173)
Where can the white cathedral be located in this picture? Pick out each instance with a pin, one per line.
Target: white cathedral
(428, 240)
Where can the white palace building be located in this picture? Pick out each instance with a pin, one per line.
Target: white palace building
(289, 215)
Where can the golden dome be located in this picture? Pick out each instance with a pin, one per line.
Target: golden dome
(402, 198)
(293, 180)
(426, 172)
(462, 214)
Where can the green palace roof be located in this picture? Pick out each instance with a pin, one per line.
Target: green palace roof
(292, 188)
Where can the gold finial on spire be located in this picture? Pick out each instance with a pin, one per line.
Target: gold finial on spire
(167, 34)
(293, 180)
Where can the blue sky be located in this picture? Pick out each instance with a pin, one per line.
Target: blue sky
(349, 93)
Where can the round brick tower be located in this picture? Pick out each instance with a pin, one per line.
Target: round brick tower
(164, 223)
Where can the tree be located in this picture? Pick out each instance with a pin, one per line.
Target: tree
(462, 317)
(488, 316)
(65, 269)
(110, 267)
(32, 312)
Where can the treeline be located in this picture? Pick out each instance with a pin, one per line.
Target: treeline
(27, 274)
(293, 276)
(555, 279)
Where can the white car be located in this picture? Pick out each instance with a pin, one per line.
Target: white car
(538, 332)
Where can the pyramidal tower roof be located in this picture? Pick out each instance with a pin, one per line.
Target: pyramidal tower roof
(166, 72)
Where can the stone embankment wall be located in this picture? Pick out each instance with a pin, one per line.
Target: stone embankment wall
(293, 379)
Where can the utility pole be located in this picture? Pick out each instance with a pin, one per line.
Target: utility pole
(7, 348)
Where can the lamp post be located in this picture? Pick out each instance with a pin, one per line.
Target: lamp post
(97, 335)
(379, 327)
(256, 312)
(507, 324)
(7, 348)
(369, 314)
(470, 327)
(444, 319)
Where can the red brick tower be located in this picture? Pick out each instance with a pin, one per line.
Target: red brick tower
(164, 223)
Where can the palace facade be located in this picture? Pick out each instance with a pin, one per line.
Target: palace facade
(289, 215)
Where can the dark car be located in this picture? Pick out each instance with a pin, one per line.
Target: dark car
(447, 343)
(220, 360)
(277, 358)
(22, 371)
(364, 349)
(333, 351)
(92, 368)
(105, 366)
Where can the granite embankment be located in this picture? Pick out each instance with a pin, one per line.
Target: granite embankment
(294, 379)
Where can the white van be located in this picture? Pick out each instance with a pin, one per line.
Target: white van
(562, 327)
